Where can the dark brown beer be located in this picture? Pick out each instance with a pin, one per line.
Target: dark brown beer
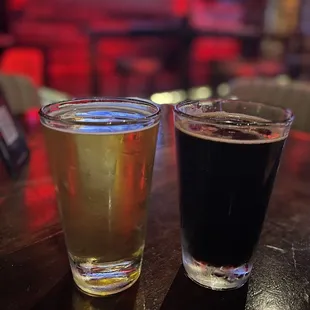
(226, 178)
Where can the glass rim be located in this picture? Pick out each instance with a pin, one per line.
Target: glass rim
(286, 121)
(44, 111)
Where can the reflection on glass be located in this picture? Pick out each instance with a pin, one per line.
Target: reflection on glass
(131, 299)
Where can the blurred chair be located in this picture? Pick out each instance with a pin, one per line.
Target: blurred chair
(209, 54)
(20, 93)
(141, 60)
(147, 67)
(225, 71)
(294, 95)
(27, 62)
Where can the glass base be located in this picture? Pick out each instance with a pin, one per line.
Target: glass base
(216, 278)
(103, 279)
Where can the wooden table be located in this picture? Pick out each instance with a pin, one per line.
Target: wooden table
(34, 269)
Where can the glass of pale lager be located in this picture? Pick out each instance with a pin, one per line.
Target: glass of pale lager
(101, 153)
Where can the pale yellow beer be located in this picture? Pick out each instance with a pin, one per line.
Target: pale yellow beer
(102, 180)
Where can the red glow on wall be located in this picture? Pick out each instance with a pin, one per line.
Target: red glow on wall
(216, 49)
(180, 7)
(24, 61)
(17, 4)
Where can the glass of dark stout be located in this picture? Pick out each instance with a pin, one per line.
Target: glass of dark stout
(228, 155)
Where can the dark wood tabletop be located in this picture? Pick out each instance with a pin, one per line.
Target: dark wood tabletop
(34, 269)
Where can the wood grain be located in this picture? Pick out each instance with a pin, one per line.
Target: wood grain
(33, 261)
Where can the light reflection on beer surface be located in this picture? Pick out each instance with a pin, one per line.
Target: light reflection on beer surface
(107, 129)
(111, 120)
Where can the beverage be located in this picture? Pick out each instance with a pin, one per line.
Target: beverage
(223, 211)
(103, 179)
(226, 176)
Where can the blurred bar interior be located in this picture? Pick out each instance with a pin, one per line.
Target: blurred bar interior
(166, 50)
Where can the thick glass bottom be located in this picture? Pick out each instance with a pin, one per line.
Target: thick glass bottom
(103, 279)
(216, 278)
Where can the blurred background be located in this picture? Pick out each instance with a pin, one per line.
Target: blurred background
(165, 50)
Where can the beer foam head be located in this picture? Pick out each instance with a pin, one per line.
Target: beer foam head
(232, 128)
